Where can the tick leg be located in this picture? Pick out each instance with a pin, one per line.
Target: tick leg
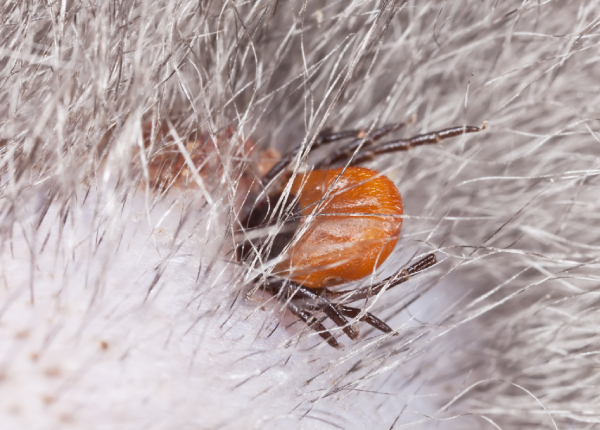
(364, 141)
(367, 317)
(297, 291)
(314, 324)
(322, 139)
(389, 283)
(413, 142)
(338, 318)
(326, 138)
(288, 291)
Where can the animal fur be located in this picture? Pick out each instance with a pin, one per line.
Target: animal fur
(121, 305)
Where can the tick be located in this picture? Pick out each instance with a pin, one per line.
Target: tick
(330, 226)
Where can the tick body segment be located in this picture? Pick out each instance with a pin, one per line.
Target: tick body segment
(354, 218)
(335, 226)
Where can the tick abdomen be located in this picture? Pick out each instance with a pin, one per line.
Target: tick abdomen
(354, 220)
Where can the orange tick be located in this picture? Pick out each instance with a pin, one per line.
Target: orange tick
(331, 226)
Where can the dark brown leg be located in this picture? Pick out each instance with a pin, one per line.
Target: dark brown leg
(314, 324)
(303, 301)
(288, 291)
(372, 290)
(337, 317)
(324, 139)
(412, 142)
(366, 141)
(367, 317)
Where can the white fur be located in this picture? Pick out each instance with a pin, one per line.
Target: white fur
(122, 308)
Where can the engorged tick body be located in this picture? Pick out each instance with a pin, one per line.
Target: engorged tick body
(355, 203)
(336, 225)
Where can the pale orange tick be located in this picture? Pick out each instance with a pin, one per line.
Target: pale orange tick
(332, 226)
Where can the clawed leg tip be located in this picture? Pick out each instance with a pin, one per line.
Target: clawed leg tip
(331, 341)
(336, 312)
(352, 332)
